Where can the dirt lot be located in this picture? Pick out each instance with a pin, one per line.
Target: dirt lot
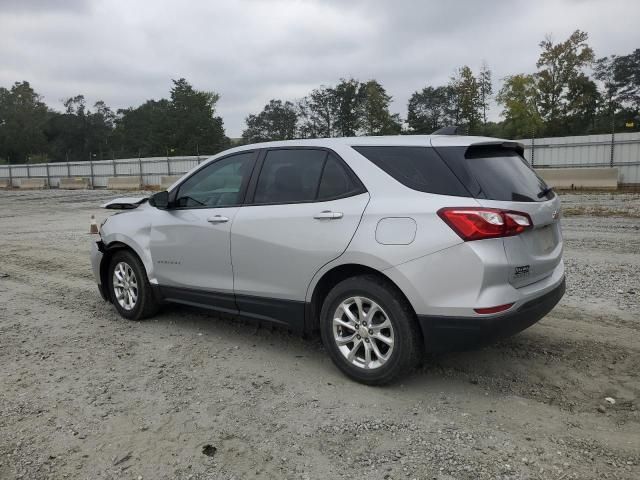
(85, 394)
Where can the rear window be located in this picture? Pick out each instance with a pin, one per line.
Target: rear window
(419, 168)
(504, 175)
(495, 172)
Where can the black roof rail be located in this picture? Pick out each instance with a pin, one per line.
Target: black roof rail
(450, 130)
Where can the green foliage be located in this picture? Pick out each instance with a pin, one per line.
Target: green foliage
(519, 96)
(467, 102)
(486, 90)
(350, 108)
(620, 76)
(318, 113)
(430, 109)
(375, 116)
(560, 67)
(277, 121)
(79, 132)
(23, 117)
(185, 124)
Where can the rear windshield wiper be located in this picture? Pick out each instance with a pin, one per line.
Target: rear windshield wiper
(544, 192)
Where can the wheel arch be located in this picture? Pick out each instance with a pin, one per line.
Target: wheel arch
(107, 254)
(331, 278)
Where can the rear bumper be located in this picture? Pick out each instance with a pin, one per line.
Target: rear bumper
(460, 333)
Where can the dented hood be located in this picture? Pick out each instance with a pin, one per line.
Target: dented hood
(124, 203)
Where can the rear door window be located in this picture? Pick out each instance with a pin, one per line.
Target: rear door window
(290, 176)
(336, 181)
(419, 168)
(304, 175)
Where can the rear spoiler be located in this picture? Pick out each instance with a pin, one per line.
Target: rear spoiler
(499, 145)
(125, 203)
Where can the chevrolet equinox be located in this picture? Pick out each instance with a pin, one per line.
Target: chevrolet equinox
(388, 246)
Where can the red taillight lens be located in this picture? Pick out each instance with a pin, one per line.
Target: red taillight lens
(479, 223)
(497, 309)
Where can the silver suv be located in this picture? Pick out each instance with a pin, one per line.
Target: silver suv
(386, 245)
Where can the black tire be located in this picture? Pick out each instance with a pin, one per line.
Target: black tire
(146, 305)
(407, 345)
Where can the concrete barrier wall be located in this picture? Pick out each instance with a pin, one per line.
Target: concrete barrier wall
(621, 151)
(74, 183)
(4, 183)
(570, 178)
(167, 181)
(37, 183)
(124, 183)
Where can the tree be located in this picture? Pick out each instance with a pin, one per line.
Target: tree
(23, 117)
(429, 109)
(375, 116)
(194, 125)
(349, 98)
(184, 124)
(559, 66)
(318, 112)
(519, 97)
(143, 130)
(466, 99)
(620, 76)
(583, 99)
(627, 77)
(277, 121)
(78, 133)
(486, 90)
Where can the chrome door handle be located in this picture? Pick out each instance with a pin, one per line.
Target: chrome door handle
(217, 219)
(328, 215)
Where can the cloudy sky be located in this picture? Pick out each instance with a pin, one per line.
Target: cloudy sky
(127, 51)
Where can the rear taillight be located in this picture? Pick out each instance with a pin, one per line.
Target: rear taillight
(496, 309)
(472, 223)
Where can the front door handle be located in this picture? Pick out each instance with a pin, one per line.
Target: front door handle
(217, 219)
(328, 215)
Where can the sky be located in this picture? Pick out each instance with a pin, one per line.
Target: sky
(125, 52)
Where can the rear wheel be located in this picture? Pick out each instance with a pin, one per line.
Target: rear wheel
(129, 287)
(369, 330)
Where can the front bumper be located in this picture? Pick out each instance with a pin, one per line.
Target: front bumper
(461, 333)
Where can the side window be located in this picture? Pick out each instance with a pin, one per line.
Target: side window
(290, 176)
(216, 185)
(336, 180)
(419, 168)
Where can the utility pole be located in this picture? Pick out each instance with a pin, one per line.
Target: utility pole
(533, 145)
(613, 135)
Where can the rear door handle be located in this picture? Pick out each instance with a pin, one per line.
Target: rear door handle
(328, 215)
(217, 219)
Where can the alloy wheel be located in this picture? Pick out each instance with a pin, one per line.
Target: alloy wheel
(125, 286)
(363, 332)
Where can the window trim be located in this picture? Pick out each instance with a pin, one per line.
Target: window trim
(250, 197)
(243, 186)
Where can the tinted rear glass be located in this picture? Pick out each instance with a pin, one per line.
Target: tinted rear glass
(419, 168)
(503, 174)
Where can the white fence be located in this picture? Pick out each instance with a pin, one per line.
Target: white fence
(148, 169)
(589, 151)
(579, 152)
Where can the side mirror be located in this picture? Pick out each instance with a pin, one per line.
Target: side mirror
(160, 200)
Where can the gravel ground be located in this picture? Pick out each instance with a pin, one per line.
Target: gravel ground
(85, 394)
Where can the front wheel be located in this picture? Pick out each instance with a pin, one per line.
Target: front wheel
(369, 330)
(129, 287)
